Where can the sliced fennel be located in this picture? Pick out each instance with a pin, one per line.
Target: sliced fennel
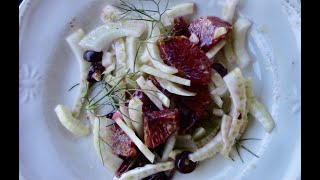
(147, 170)
(135, 113)
(73, 41)
(152, 51)
(121, 57)
(214, 96)
(168, 147)
(229, 10)
(69, 122)
(217, 79)
(202, 142)
(219, 32)
(235, 83)
(103, 150)
(163, 98)
(149, 92)
(248, 86)
(155, 72)
(121, 64)
(214, 50)
(217, 99)
(185, 142)
(174, 88)
(180, 10)
(249, 95)
(174, 153)
(220, 91)
(143, 148)
(209, 150)
(239, 42)
(102, 37)
(198, 133)
(144, 58)
(109, 69)
(111, 80)
(132, 63)
(225, 127)
(107, 59)
(110, 13)
(245, 122)
(258, 111)
(125, 114)
(217, 112)
(229, 53)
(166, 20)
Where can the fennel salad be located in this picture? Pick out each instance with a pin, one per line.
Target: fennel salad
(162, 91)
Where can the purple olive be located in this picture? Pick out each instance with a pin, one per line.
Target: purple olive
(183, 164)
(92, 56)
(95, 68)
(220, 69)
(109, 115)
(158, 176)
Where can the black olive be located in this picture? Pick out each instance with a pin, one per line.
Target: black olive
(95, 68)
(92, 56)
(220, 69)
(109, 115)
(183, 164)
(158, 176)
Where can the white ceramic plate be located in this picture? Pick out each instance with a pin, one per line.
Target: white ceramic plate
(48, 69)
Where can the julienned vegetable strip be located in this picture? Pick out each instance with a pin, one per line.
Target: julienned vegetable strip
(198, 133)
(125, 114)
(73, 41)
(132, 63)
(209, 150)
(143, 148)
(149, 92)
(135, 113)
(229, 10)
(147, 170)
(174, 153)
(185, 142)
(235, 83)
(215, 49)
(239, 41)
(258, 111)
(155, 72)
(119, 47)
(174, 88)
(107, 59)
(152, 51)
(225, 127)
(202, 142)
(181, 10)
(104, 152)
(110, 13)
(229, 53)
(249, 95)
(163, 98)
(168, 147)
(101, 38)
(69, 122)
